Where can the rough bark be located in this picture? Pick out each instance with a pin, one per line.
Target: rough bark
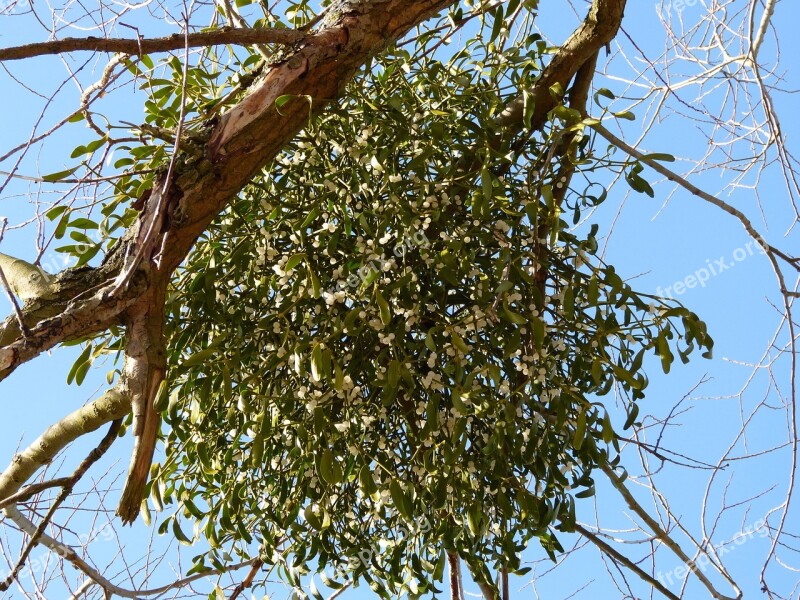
(144, 370)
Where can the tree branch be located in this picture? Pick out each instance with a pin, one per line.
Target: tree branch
(93, 457)
(479, 576)
(597, 30)
(224, 35)
(248, 580)
(31, 490)
(69, 554)
(110, 406)
(665, 538)
(455, 575)
(626, 562)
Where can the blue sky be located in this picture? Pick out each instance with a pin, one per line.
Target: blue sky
(655, 242)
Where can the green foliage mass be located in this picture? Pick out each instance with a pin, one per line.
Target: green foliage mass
(392, 343)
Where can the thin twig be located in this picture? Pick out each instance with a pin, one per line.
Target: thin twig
(622, 559)
(92, 458)
(32, 490)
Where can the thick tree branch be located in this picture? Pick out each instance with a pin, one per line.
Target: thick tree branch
(480, 575)
(576, 58)
(454, 562)
(224, 35)
(248, 580)
(72, 314)
(244, 140)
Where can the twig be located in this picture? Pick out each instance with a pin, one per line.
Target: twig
(154, 219)
(612, 553)
(92, 458)
(341, 590)
(675, 178)
(178, 134)
(666, 539)
(32, 490)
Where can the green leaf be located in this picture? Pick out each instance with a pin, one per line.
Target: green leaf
(633, 412)
(317, 370)
(474, 518)
(161, 399)
(330, 471)
(78, 365)
(205, 354)
(59, 175)
(568, 303)
(513, 316)
(383, 307)
(88, 148)
(83, 223)
(56, 212)
(179, 535)
(293, 261)
(608, 430)
(606, 93)
(660, 156)
(367, 482)
(401, 502)
(487, 188)
(580, 430)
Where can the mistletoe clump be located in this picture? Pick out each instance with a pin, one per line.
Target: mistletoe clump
(375, 361)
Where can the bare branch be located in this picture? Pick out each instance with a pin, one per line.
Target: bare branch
(93, 457)
(70, 555)
(110, 406)
(31, 490)
(626, 562)
(225, 35)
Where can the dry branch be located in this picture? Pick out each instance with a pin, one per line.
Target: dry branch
(133, 46)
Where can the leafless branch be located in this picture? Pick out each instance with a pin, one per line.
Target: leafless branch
(225, 35)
